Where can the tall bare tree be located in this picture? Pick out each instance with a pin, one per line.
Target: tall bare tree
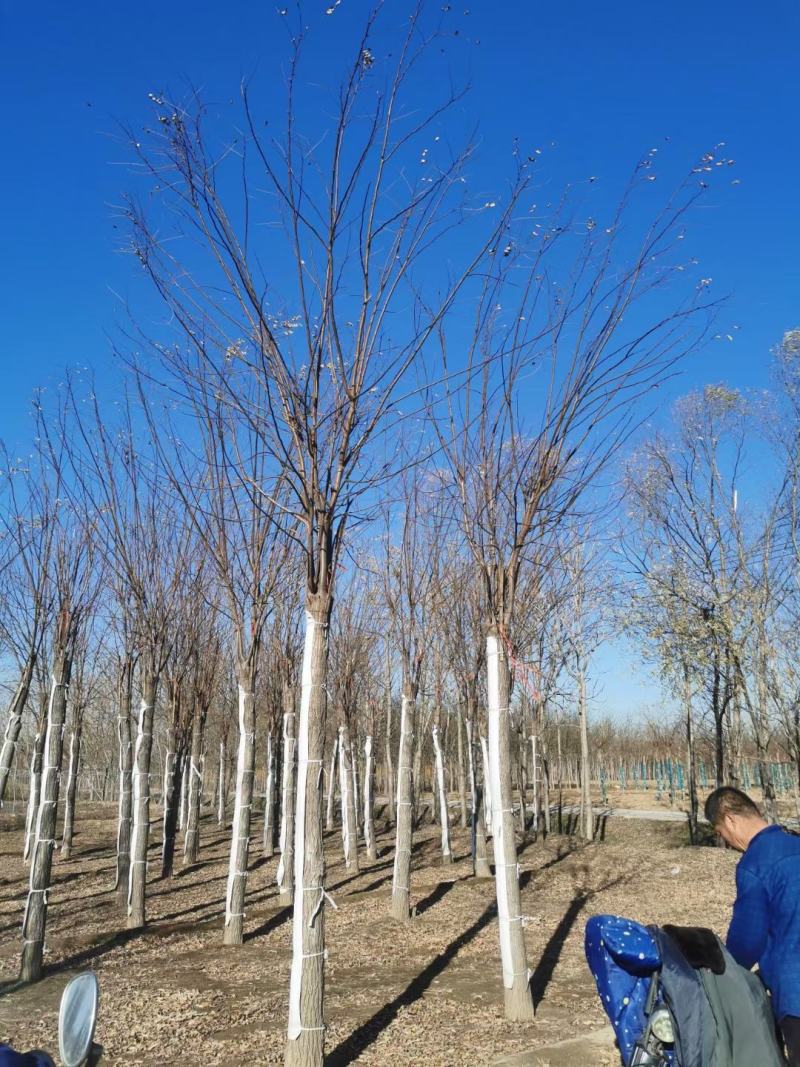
(536, 402)
(75, 582)
(325, 346)
(27, 525)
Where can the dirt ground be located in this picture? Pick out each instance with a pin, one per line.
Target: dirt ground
(425, 993)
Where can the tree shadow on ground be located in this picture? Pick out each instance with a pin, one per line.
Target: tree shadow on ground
(272, 923)
(363, 1036)
(360, 874)
(377, 883)
(551, 954)
(441, 891)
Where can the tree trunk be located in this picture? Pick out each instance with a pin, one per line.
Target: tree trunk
(125, 808)
(401, 878)
(137, 882)
(762, 730)
(329, 817)
(184, 791)
(487, 786)
(690, 759)
(516, 979)
(35, 918)
(268, 843)
(587, 829)
(418, 808)
(462, 772)
(286, 866)
(355, 776)
(480, 858)
(719, 722)
(242, 809)
(348, 800)
(221, 786)
(535, 782)
(191, 838)
(72, 784)
(447, 855)
(175, 779)
(306, 1029)
(14, 724)
(34, 789)
(369, 800)
(390, 792)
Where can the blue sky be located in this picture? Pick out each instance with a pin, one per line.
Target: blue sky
(595, 85)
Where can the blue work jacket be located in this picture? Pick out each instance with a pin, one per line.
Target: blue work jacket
(765, 928)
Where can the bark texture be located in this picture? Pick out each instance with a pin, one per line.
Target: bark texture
(401, 878)
(268, 841)
(306, 1030)
(516, 977)
(369, 800)
(444, 820)
(137, 880)
(243, 806)
(125, 809)
(34, 921)
(72, 785)
(14, 725)
(286, 866)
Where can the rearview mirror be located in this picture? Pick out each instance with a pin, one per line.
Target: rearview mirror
(76, 1019)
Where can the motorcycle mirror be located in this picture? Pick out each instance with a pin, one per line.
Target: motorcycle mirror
(76, 1019)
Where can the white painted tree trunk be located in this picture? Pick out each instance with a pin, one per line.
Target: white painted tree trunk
(182, 810)
(447, 856)
(329, 823)
(268, 842)
(352, 745)
(286, 865)
(125, 803)
(401, 876)
(390, 790)
(243, 805)
(487, 787)
(221, 786)
(481, 868)
(34, 921)
(516, 977)
(587, 829)
(14, 725)
(165, 782)
(348, 801)
(34, 789)
(72, 789)
(535, 782)
(191, 837)
(137, 880)
(369, 800)
(462, 772)
(306, 1029)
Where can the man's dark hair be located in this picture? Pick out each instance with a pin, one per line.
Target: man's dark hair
(729, 801)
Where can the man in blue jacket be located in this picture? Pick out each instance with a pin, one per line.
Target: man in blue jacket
(765, 928)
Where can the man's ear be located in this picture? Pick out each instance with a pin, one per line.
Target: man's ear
(726, 826)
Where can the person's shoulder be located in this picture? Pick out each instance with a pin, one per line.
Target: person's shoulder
(773, 842)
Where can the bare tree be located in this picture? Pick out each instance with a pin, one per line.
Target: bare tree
(87, 678)
(27, 525)
(75, 582)
(522, 455)
(410, 582)
(145, 543)
(330, 358)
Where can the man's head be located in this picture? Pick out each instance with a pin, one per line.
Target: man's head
(734, 816)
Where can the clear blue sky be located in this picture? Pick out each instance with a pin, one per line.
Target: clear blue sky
(605, 82)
